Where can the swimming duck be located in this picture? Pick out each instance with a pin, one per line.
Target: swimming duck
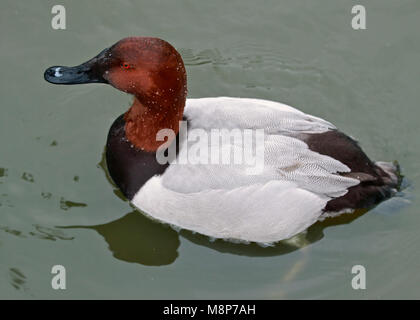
(310, 170)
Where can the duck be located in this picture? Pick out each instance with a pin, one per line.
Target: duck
(310, 169)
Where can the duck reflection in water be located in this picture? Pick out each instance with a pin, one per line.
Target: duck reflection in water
(136, 238)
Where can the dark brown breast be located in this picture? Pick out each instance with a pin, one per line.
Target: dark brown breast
(129, 167)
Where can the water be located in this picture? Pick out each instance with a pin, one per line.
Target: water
(58, 207)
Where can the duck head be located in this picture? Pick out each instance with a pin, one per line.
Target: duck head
(148, 68)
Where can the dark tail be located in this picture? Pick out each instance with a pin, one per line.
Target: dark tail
(371, 191)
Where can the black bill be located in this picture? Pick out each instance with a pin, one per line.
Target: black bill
(89, 72)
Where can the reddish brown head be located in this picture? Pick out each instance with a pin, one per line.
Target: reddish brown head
(150, 69)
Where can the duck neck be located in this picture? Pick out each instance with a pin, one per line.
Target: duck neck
(144, 120)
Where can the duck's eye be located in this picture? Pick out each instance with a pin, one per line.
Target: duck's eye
(125, 65)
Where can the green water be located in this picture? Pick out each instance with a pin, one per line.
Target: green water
(57, 206)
